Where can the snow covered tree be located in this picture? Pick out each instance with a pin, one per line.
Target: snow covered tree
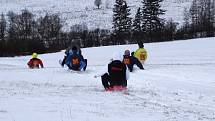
(49, 29)
(2, 27)
(107, 4)
(136, 26)
(152, 23)
(121, 21)
(98, 3)
(170, 30)
(12, 25)
(202, 18)
(2, 34)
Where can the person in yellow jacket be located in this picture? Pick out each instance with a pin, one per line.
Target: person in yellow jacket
(141, 53)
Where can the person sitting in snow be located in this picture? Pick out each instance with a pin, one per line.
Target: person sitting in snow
(130, 61)
(74, 60)
(35, 62)
(115, 75)
(141, 53)
(66, 55)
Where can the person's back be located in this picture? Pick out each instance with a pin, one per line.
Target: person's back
(117, 73)
(141, 53)
(127, 60)
(75, 60)
(35, 62)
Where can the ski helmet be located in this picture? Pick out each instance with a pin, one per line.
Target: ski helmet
(127, 52)
(34, 55)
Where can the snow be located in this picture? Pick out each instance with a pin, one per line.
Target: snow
(177, 85)
(84, 11)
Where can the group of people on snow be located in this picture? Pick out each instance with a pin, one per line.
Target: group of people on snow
(114, 76)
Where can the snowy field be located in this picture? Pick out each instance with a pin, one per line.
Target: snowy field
(177, 85)
(85, 12)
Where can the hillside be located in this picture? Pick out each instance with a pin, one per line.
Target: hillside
(177, 85)
(84, 12)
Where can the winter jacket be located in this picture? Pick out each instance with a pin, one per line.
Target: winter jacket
(69, 57)
(132, 61)
(141, 54)
(35, 63)
(105, 71)
(117, 73)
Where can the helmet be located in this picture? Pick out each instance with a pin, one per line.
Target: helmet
(34, 55)
(127, 52)
(74, 48)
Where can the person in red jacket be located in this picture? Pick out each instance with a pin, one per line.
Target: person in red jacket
(35, 62)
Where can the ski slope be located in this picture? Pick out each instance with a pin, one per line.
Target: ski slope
(177, 85)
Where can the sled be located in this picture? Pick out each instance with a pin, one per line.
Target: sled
(116, 88)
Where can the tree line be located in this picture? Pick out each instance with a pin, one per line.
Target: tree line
(199, 20)
(24, 33)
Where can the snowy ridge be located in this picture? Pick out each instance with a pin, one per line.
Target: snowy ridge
(177, 85)
(84, 11)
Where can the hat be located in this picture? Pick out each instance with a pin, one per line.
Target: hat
(34, 55)
(127, 52)
(74, 48)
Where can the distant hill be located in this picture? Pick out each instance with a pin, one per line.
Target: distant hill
(85, 12)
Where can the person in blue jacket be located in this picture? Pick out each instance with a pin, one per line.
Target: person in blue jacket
(130, 61)
(74, 60)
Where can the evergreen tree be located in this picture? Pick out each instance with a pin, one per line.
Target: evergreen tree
(121, 21)
(136, 26)
(152, 23)
(25, 25)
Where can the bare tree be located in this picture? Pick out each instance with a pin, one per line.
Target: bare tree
(2, 27)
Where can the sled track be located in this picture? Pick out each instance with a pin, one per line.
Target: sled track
(15, 67)
(182, 64)
(170, 111)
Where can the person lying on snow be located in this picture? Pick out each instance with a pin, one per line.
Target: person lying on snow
(130, 61)
(115, 75)
(35, 62)
(74, 60)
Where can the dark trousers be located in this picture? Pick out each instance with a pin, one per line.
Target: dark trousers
(130, 67)
(73, 68)
(106, 82)
(85, 60)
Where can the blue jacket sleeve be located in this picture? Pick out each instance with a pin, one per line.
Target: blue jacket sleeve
(82, 65)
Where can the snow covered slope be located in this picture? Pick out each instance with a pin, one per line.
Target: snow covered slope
(177, 85)
(84, 11)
